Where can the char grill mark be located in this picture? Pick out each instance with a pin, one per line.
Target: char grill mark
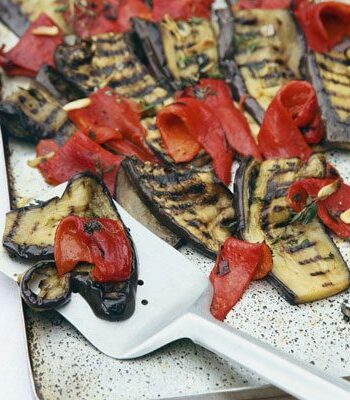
(107, 60)
(189, 201)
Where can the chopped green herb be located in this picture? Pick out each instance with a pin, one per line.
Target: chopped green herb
(184, 62)
(147, 107)
(196, 20)
(251, 47)
(215, 75)
(306, 215)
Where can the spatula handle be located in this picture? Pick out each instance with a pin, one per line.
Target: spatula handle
(290, 375)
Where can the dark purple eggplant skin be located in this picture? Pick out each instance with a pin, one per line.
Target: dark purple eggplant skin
(36, 302)
(51, 79)
(148, 38)
(243, 186)
(114, 301)
(334, 126)
(11, 16)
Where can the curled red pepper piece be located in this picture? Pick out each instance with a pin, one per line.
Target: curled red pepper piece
(102, 16)
(81, 154)
(216, 95)
(325, 24)
(110, 118)
(293, 110)
(263, 4)
(181, 9)
(188, 125)
(33, 50)
(237, 264)
(299, 191)
(98, 241)
(330, 208)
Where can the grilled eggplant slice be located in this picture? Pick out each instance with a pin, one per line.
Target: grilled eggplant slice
(330, 75)
(107, 60)
(127, 196)
(307, 265)
(109, 301)
(179, 50)
(34, 114)
(188, 200)
(29, 231)
(259, 51)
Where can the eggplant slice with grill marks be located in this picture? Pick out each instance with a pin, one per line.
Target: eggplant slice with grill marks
(29, 234)
(29, 231)
(179, 50)
(108, 60)
(33, 114)
(113, 301)
(329, 73)
(259, 51)
(188, 200)
(127, 196)
(307, 265)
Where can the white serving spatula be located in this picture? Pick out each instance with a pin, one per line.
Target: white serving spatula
(172, 303)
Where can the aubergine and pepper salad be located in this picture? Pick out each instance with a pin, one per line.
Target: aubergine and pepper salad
(150, 103)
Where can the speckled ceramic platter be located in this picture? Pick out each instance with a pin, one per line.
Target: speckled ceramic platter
(66, 366)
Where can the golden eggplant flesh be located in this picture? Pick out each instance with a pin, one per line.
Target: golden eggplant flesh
(188, 200)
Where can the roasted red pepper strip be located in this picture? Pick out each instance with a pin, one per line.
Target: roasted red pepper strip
(187, 123)
(263, 4)
(101, 242)
(181, 9)
(102, 16)
(80, 154)
(329, 209)
(325, 24)
(235, 267)
(216, 95)
(111, 117)
(293, 110)
(32, 51)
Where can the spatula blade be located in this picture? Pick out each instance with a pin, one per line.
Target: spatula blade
(171, 285)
